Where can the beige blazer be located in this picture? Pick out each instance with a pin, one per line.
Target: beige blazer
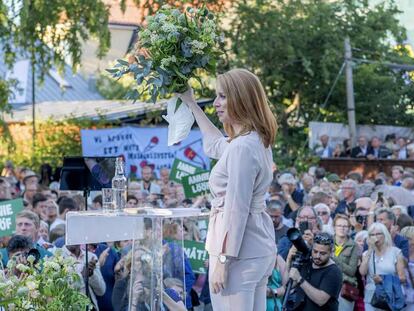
(238, 183)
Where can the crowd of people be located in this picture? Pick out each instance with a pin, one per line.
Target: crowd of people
(399, 148)
(357, 233)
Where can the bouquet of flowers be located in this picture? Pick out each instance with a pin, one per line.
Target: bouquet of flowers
(174, 47)
(51, 285)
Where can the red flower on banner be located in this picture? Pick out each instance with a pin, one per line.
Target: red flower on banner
(133, 168)
(190, 153)
(143, 163)
(155, 140)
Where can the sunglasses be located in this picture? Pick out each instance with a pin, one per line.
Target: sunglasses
(322, 213)
(323, 239)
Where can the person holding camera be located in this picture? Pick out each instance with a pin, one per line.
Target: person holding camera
(308, 224)
(319, 279)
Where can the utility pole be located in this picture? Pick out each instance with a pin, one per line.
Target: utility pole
(33, 106)
(350, 100)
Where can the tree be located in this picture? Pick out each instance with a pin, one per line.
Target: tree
(296, 48)
(50, 33)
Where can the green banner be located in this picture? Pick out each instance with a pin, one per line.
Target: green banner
(8, 211)
(196, 252)
(181, 168)
(195, 185)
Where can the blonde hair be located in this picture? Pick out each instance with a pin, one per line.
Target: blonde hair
(408, 232)
(247, 104)
(31, 216)
(380, 227)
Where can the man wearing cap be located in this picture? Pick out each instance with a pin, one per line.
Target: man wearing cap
(293, 197)
(334, 180)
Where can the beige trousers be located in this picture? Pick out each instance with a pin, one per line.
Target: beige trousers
(246, 284)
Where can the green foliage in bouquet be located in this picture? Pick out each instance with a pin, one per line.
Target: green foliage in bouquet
(51, 287)
(171, 49)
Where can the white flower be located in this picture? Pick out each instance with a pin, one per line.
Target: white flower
(31, 285)
(154, 38)
(160, 17)
(34, 294)
(175, 13)
(22, 291)
(27, 305)
(31, 259)
(51, 265)
(168, 27)
(23, 268)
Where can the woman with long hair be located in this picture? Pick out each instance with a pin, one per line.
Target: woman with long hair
(240, 238)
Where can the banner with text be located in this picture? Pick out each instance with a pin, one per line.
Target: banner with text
(181, 169)
(8, 211)
(143, 146)
(196, 184)
(197, 254)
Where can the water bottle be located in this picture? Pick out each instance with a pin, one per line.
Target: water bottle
(119, 185)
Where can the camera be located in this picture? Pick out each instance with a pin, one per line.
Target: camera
(293, 299)
(32, 252)
(295, 236)
(361, 219)
(303, 226)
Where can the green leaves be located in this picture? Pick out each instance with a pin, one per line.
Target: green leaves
(297, 48)
(172, 48)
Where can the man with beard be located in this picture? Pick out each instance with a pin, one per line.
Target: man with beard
(320, 280)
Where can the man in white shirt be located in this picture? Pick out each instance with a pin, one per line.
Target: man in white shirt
(92, 271)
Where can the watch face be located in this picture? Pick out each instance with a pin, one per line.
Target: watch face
(222, 258)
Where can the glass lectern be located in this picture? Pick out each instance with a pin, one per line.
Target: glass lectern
(156, 266)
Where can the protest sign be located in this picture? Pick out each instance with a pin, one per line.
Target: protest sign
(143, 146)
(8, 211)
(197, 254)
(181, 169)
(196, 184)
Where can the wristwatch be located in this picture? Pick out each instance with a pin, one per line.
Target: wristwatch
(301, 281)
(222, 258)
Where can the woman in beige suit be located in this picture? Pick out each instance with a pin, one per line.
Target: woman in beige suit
(240, 238)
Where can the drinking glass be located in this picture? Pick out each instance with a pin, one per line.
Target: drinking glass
(107, 199)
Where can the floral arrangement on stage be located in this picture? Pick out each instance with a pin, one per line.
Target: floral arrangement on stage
(50, 285)
(172, 48)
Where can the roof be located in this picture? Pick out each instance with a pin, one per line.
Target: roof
(126, 111)
(66, 87)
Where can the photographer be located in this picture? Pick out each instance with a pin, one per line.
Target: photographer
(18, 249)
(308, 224)
(320, 279)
